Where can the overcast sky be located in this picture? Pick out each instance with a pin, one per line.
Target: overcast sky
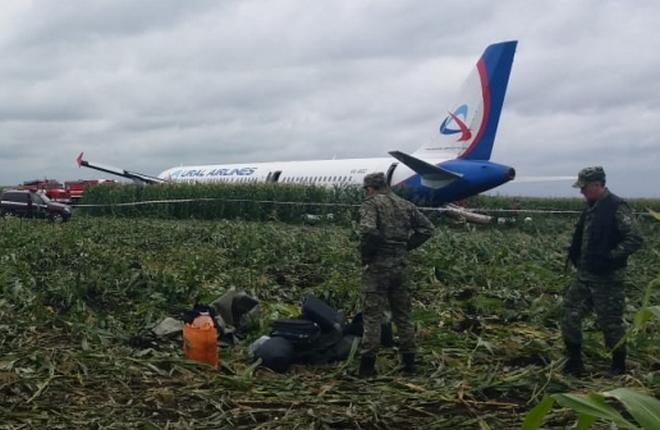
(148, 85)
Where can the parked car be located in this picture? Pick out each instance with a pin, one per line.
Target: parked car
(32, 204)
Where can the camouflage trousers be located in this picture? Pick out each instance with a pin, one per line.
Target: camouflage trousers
(383, 282)
(603, 294)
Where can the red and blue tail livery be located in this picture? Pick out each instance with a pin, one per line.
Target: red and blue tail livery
(469, 127)
(455, 165)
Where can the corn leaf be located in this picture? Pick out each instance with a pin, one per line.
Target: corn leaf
(535, 417)
(645, 409)
(584, 422)
(594, 405)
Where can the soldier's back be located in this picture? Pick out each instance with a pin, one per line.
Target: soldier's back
(395, 216)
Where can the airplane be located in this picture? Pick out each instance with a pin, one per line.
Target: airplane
(454, 166)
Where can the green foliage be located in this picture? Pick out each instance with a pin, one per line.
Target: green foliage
(281, 202)
(76, 300)
(643, 316)
(645, 409)
(546, 203)
(259, 202)
(591, 407)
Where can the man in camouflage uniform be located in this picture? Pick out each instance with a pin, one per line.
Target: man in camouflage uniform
(389, 227)
(604, 237)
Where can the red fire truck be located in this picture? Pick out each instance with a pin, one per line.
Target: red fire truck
(70, 192)
(75, 189)
(52, 188)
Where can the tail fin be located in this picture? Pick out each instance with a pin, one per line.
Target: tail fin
(468, 131)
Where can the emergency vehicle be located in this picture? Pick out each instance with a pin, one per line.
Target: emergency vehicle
(53, 189)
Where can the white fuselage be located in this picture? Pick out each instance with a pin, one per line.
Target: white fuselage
(326, 173)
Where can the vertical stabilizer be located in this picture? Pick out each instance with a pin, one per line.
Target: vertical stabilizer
(470, 124)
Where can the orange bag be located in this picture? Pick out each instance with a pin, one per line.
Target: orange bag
(200, 340)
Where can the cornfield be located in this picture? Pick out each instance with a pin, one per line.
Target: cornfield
(258, 202)
(77, 300)
(277, 202)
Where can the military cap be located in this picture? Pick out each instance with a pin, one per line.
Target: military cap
(590, 174)
(376, 180)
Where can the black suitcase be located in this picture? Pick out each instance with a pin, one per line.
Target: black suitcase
(276, 353)
(318, 311)
(300, 332)
(320, 351)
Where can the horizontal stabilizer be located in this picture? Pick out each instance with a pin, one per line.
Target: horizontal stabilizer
(432, 176)
(135, 176)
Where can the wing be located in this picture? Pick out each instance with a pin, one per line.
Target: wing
(135, 176)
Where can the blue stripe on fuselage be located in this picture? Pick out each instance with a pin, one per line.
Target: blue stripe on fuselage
(478, 176)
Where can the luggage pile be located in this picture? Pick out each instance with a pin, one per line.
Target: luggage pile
(317, 336)
(233, 313)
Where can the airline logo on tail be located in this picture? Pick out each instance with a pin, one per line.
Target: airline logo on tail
(469, 126)
(454, 123)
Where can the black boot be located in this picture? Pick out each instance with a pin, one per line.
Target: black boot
(618, 361)
(574, 365)
(408, 361)
(367, 367)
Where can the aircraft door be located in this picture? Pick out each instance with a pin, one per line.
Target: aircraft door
(390, 173)
(273, 176)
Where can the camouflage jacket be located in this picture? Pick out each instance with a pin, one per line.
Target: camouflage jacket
(390, 225)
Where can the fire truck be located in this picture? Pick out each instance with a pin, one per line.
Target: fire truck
(75, 189)
(70, 192)
(52, 188)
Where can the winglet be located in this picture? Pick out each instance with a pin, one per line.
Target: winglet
(79, 159)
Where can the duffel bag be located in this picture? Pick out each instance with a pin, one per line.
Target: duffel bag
(276, 353)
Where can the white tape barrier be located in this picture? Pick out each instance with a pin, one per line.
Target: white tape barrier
(149, 202)
(275, 202)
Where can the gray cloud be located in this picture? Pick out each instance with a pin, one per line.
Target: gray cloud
(152, 84)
